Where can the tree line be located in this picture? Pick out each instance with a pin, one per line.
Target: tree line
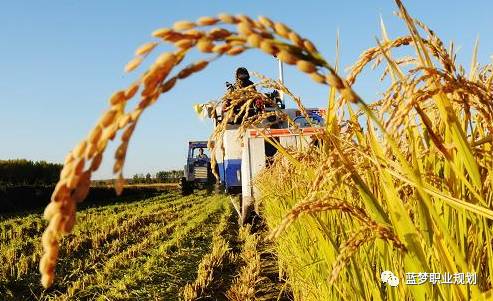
(27, 172)
(168, 176)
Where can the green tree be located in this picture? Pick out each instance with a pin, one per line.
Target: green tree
(26, 172)
(162, 176)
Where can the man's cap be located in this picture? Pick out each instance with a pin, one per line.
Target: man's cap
(242, 73)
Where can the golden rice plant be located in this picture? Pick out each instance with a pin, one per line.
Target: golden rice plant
(402, 184)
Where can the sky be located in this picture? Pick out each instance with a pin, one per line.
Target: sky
(61, 60)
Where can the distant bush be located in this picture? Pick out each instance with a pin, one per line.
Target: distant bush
(26, 172)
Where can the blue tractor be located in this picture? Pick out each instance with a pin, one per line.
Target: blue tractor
(197, 172)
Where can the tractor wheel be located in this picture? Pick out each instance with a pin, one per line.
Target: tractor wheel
(186, 187)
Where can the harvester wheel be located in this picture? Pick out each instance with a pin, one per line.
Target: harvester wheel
(218, 188)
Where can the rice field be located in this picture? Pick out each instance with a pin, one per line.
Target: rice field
(113, 250)
(143, 250)
(162, 248)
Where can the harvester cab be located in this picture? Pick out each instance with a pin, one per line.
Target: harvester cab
(197, 172)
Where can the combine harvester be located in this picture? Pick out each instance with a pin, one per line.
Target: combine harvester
(243, 158)
(243, 155)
